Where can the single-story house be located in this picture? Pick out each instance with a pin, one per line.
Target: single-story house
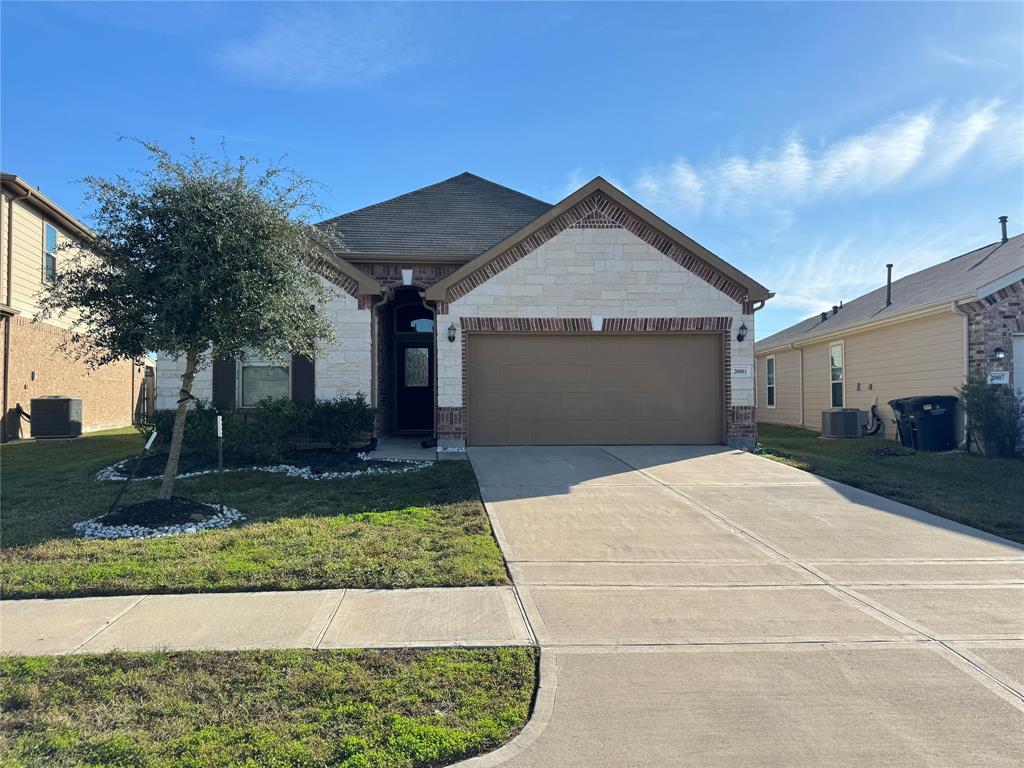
(479, 315)
(919, 335)
(33, 229)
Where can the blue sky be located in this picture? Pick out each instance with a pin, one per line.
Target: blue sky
(808, 144)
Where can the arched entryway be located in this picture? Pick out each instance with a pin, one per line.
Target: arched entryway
(409, 328)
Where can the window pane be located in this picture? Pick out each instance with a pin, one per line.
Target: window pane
(771, 395)
(423, 325)
(262, 381)
(417, 371)
(51, 239)
(49, 268)
(771, 371)
(836, 354)
(837, 394)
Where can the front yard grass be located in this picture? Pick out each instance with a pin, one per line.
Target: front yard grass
(983, 493)
(353, 709)
(425, 528)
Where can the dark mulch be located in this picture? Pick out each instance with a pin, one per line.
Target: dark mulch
(154, 513)
(316, 460)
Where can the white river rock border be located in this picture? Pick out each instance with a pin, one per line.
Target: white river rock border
(95, 529)
(116, 471)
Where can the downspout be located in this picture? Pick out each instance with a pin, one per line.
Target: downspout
(8, 296)
(955, 307)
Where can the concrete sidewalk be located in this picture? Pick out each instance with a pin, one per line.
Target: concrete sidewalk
(342, 618)
(697, 606)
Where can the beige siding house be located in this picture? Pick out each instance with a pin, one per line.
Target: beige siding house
(937, 325)
(33, 233)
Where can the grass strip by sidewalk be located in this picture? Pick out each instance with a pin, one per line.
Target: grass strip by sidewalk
(983, 493)
(426, 528)
(352, 709)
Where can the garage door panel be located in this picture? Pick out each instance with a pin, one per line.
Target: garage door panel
(594, 389)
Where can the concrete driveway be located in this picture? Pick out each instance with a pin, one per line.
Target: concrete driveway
(701, 606)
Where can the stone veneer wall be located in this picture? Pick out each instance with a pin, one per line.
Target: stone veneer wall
(343, 365)
(992, 322)
(584, 271)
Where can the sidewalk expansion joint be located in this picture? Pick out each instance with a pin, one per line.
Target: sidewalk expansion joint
(107, 624)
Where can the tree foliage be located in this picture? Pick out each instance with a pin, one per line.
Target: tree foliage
(198, 258)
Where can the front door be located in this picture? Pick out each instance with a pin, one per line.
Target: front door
(414, 390)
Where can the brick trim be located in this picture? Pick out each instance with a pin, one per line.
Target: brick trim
(738, 421)
(584, 324)
(332, 274)
(599, 204)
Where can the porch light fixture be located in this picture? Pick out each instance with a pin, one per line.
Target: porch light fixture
(741, 332)
(451, 333)
(1000, 353)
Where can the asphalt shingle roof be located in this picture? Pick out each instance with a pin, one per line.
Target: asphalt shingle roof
(950, 280)
(460, 217)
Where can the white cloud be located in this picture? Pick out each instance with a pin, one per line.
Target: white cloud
(963, 135)
(911, 147)
(322, 46)
(829, 272)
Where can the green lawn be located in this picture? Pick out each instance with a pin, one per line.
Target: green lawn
(419, 529)
(356, 709)
(984, 493)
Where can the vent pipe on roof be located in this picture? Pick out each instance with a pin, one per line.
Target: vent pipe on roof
(1002, 224)
(888, 284)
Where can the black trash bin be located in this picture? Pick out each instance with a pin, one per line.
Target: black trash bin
(926, 423)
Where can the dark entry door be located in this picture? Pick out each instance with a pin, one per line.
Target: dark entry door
(414, 390)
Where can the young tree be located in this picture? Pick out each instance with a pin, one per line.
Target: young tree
(198, 258)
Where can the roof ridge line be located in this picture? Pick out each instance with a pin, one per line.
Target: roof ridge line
(507, 189)
(392, 199)
(424, 189)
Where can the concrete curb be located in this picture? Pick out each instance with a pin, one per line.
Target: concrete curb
(543, 707)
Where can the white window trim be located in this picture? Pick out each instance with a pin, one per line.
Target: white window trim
(239, 364)
(47, 252)
(773, 385)
(828, 352)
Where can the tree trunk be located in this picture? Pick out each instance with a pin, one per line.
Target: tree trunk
(178, 434)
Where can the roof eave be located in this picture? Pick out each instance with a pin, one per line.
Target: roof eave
(37, 199)
(911, 313)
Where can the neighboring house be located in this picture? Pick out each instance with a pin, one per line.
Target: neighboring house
(32, 229)
(477, 314)
(964, 313)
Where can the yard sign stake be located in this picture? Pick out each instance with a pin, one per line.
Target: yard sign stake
(131, 475)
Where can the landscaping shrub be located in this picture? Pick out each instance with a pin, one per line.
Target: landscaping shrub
(995, 415)
(271, 430)
(339, 421)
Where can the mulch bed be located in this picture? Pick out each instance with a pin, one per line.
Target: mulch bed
(316, 460)
(176, 510)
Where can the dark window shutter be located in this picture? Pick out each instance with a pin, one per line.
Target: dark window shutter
(303, 375)
(223, 384)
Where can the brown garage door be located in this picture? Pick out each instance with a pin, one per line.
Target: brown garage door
(594, 389)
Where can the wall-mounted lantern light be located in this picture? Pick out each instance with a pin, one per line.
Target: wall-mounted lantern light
(451, 333)
(741, 332)
(1000, 353)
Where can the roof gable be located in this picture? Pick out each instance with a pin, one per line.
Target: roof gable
(599, 204)
(957, 279)
(459, 218)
